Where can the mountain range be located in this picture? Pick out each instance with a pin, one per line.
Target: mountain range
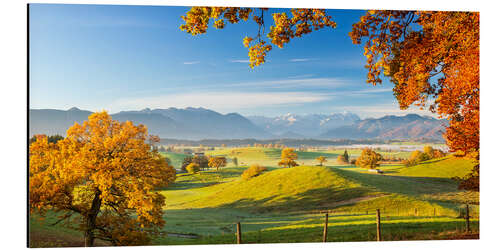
(189, 123)
(411, 126)
(310, 125)
(200, 123)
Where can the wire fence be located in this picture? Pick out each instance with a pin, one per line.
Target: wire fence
(467, 212)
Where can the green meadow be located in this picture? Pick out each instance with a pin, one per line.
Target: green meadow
(175, 158)
(288, 204)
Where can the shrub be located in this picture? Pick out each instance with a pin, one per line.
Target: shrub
(438, 153)
(187, 160)
(201, 160)
(342, 160)
(410, 162)
(459, 153)
(418, 156)
(253, 171)
(193, 168)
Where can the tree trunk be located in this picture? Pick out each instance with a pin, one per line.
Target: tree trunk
(91, 219)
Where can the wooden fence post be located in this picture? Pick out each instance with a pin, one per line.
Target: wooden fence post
(325, 229)
(238, 233)
(379, 236)
(467, 222)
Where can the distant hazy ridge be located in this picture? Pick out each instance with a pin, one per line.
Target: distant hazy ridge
(200, 123)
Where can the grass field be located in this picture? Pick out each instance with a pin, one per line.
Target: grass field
(176, 158)
(286, 205)
(270, 156)
(300, 188)
(440, 168)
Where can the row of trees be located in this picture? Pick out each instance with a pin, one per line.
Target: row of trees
(369, 158)
(418, 156)
(289, 157)
(50, 139)
(202, 162)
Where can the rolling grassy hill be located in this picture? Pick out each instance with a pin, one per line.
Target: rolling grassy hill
(446, 167)
(425, 186)
(299, 188)
(412, 207)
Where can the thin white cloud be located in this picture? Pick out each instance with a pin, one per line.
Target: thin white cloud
(222, 100)
(369, 91)
(299, 82)
(240, 61)
(189, 63)
(301, 59)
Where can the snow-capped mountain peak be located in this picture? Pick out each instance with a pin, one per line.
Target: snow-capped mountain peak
(308, 124)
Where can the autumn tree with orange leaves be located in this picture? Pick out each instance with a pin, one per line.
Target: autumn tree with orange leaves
(103, 178)
(284, 28)
(431, 57)
(217, 162)
(288, 158)
(321, 159)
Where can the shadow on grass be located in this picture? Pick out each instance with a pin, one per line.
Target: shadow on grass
(183, 185)
(404, 185)
(205, 178)
(317, 199)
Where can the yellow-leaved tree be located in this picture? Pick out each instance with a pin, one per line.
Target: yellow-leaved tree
(368, 159)
(288, 157)
(321, 159)
(102, 180)
(217, 162)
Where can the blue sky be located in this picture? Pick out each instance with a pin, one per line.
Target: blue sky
(114, 58)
